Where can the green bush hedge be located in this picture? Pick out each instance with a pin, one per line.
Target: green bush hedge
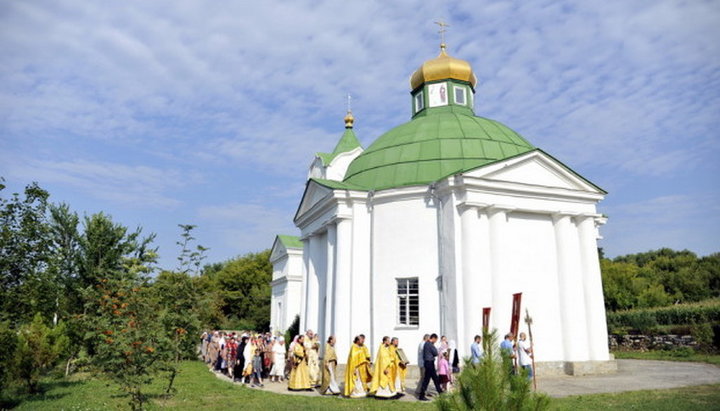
(679, 314)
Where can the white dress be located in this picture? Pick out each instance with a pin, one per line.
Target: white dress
(278, 368)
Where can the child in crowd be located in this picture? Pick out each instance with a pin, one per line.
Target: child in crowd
(444, 370)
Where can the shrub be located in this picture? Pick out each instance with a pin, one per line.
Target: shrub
(8, 342)
(699, 313)
(489, 385)
(38, 348)
(292, 331)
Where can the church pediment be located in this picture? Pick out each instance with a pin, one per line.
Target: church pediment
(536, 168)
(314, 192)
(278, 250)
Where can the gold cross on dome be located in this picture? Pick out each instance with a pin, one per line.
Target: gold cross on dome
(349, 103)
(442, 31)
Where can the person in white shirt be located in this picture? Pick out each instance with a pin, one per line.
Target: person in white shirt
(525, 354)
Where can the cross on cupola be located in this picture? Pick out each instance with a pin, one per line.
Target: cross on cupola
(442, 31)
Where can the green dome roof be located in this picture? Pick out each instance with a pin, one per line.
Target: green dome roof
(444, 142)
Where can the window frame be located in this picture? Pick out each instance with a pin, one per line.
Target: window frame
(404, 305)
(464, 95)
(419, 98)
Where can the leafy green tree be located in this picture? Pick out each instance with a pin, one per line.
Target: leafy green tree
(126, 334)
(243, 286)
(8, 342)
(64, 261)
(621, 284)
(189, 259)
(38, 348)
(177, 300)
(24, 252)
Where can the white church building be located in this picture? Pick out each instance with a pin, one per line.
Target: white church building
(437, 219)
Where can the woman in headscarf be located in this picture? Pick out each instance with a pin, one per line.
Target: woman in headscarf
(299, 376)
(248, 354)
(442, 347)
(240, 363)
(329, 383)
(277, 373)
(213, 349)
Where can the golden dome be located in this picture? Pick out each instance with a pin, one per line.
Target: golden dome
(349, 119)
(443, 67)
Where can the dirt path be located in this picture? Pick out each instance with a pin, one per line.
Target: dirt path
(632, 375)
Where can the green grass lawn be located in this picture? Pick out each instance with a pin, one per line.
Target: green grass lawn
(667, 356)
(702, 397)
(199, 389)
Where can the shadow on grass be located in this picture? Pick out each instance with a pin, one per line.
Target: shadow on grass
(19, 395)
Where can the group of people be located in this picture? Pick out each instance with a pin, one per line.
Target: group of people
(246, 358)
(520, 351)
(384, 378)
(250, 358)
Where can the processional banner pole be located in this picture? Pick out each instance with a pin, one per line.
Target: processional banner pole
(529, 321)
(515, 322)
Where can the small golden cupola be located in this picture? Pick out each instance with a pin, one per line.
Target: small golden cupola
(442, 84)
(443, 67)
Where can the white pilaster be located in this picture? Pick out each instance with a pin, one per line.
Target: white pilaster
(328, 328)
(501, 301)
(312, 304)
(304, 285)
(592, 282)
(342, 318)
(572, 298)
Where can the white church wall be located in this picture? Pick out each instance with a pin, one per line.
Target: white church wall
(531, 268)
(404, 246)
(277, 304)
(280, 268)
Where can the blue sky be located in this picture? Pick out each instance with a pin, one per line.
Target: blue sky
(209, 113)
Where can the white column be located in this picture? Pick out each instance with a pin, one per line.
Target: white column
(304, 285)
(328, 327)
(501, 300)
(342, 325)
(592, 281)
(472, 307)
(572, 299)
(312, 294)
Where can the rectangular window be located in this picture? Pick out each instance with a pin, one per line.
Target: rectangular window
(459, 95)
(419, 102)
(408, 301)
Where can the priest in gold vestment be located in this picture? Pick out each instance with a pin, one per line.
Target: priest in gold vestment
(329, 382)
(401, 365)
(357, 371)
(299, 376)
(383, 380)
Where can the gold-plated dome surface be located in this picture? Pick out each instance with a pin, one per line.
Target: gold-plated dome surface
(349, 119)
(443, 67)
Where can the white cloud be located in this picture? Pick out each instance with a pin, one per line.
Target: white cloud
(246, 226)
(139, 186)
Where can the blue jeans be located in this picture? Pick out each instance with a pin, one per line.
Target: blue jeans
(529, 369)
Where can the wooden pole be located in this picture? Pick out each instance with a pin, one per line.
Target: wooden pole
(529, 321)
